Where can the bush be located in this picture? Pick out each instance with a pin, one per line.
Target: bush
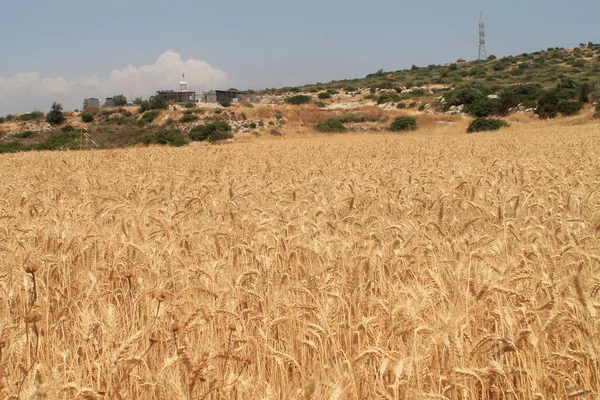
(320, 104)
(155, 103)
(55, 116)
(404, 124)
(324, 95)
(13, 147)
(331, 125)
(466, 96)
(482, 108)
(87, 117)
(25, 135)
(190, 105)
(220, 135)
(149, 116)
(252, 125)
(67, 129)
(299, 99)
(547, 105)
(486, 124)
(120, 100)
(188, 118)
(346, 118)
(568, 108)
(172, 137)
(32, 116)
(387, 98)
(214, 129)
(60, 140)
(226, 102)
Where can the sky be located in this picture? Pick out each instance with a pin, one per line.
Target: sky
(66, 50)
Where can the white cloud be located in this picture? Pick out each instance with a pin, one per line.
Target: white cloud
(26, 90)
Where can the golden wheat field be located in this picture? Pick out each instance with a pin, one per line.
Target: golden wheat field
(347, 267)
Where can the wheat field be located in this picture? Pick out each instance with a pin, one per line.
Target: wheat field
(345, 267)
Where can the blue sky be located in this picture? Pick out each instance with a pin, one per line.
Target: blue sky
(258, 44)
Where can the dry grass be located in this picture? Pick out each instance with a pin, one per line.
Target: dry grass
(403, 267)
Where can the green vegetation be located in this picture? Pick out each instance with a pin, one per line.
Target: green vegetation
(25, 135)
(149, 116)
(218, 130)
(355, 118)
(32, 116)
(299, 99)
(486, 124)
(188, 118)
(55, 116)
(87, 117)
(404, 124)
(324, 95)
(226, 102)
(120, 100)
(568, 108)
(331, 125)
(155, 103)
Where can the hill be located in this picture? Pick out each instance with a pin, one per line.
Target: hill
(545, 84)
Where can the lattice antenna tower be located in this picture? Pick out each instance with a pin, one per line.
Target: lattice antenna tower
(482, 48)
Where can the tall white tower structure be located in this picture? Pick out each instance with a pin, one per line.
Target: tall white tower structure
(183, 84)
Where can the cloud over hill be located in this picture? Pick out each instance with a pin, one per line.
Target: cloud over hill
(23, 91)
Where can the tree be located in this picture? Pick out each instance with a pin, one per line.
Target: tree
(55, 116)
(120, 100)
(137, 101)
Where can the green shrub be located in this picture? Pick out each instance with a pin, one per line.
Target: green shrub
(25, 135)
(214, 129)
(324, 95)
(220, 135)
(13, 147)
(124, 112)
(149, 116)
(188, 118)
(120, 100)
(60, 140)
(87, 117)
(486, 124)
(404, 124)
(2, 133)
(252, 125)
(299, 99)
(387, 98)
(32, 116)
(320, 104)
(482, 108)
(331, 125)
(568, 108)
(190, 105)
(466, 95)
(547, 105)
(67, 129)
(171, 137)
(226, 102)
(348, 118)
(55, 116)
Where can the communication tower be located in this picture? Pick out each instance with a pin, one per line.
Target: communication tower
(482, 48)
